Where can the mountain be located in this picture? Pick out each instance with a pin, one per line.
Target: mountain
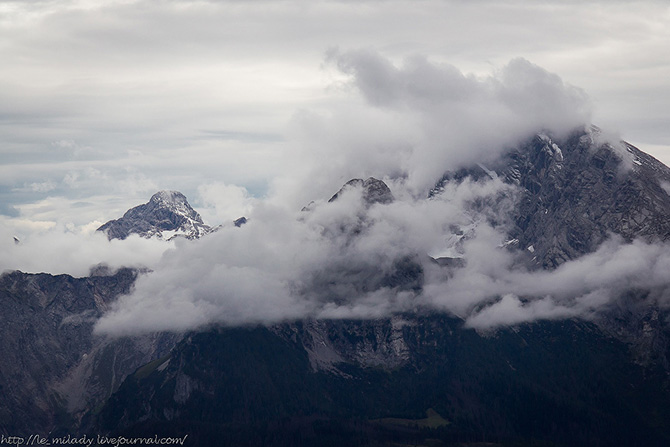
(422, 378)
(167, 215)
(414, 378)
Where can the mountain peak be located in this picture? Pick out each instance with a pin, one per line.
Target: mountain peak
(574, 192)
(374, 190)
(169, 197)
(167, 215)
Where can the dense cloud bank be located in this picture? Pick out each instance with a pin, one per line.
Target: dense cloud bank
(418, 118)
(331, 261)
(346, 259)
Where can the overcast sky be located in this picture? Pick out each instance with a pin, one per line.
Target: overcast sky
(102, 103)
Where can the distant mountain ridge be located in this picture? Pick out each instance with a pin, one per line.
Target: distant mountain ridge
(167, 215)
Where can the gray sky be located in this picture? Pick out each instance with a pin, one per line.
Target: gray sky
(104, 102)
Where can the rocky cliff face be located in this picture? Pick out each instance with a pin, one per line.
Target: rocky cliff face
(167, 215)
(378, 343)
(574, 192)
(54, 369)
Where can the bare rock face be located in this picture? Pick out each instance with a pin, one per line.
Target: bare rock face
(574, 192)
(378, 343)
(167, 215)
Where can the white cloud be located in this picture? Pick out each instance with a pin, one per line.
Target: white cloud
(222, 203)
(56, 250)
(577, 288)
(509, 310)
(41, 187)
(339, 259)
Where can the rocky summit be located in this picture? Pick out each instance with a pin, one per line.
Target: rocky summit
(578, 190)
(575, 191)
(167, 215)
(374, 191)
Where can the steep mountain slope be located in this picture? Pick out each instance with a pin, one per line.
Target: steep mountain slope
(377, 382)
(53, 368)
(166, 215)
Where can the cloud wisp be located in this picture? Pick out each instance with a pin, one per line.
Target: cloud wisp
(491, 291)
